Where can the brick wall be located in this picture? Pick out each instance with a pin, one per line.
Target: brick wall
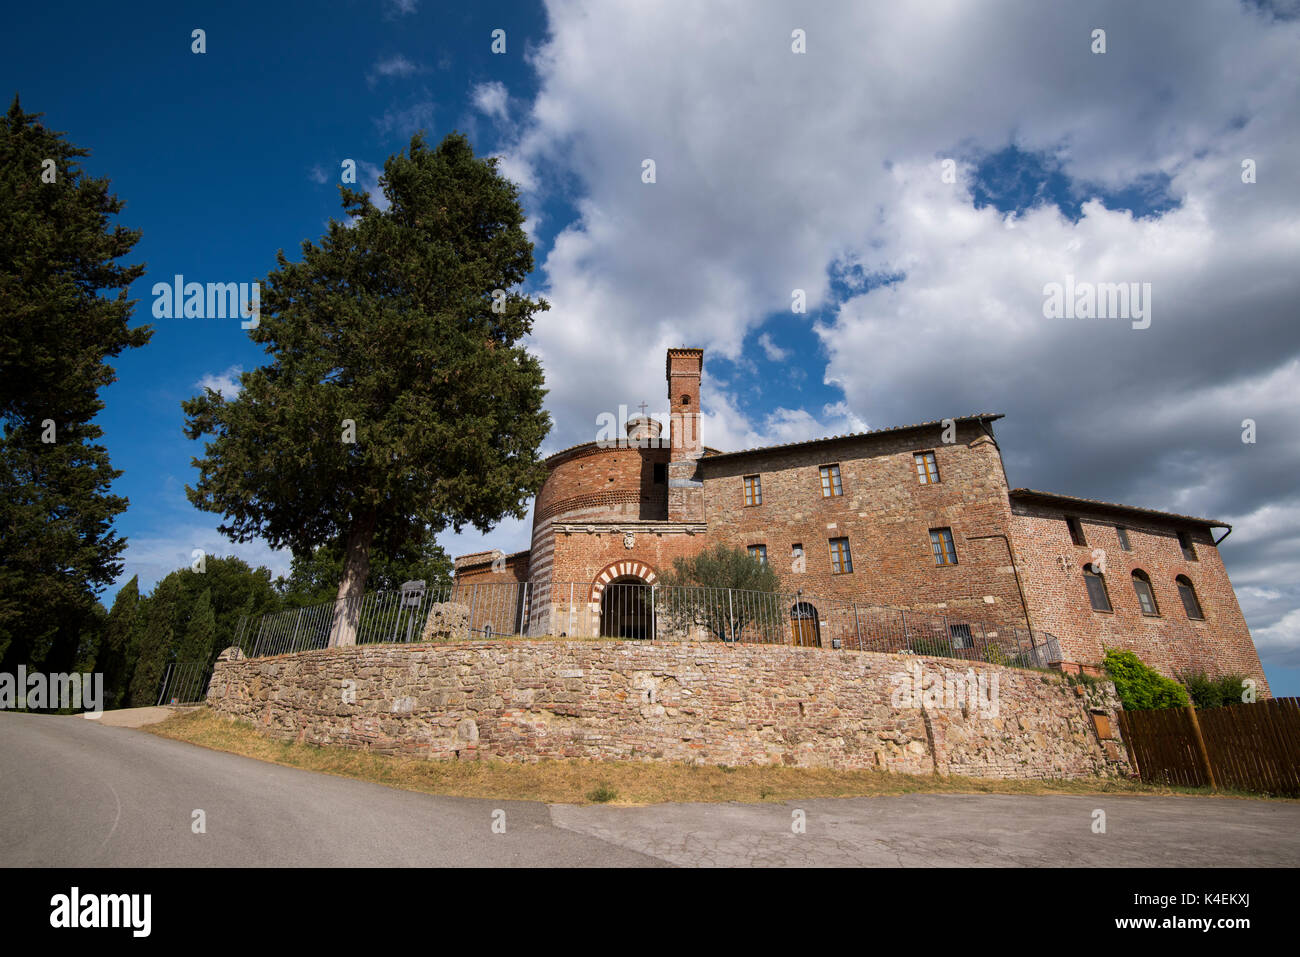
(581, 555)
(705, 703)
(616, 482)
(684, 369)
(886, 515)
(1052, 572)
(514, 568)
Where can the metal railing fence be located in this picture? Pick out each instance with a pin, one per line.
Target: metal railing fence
(184, 682)
(638, 611)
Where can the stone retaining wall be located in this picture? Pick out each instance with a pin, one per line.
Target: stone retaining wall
(701, 702)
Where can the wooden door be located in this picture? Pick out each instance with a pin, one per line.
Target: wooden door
(803, 626)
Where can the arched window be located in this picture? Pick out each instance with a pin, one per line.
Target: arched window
(1096, 589)
(1188, 594)
(1146, 597)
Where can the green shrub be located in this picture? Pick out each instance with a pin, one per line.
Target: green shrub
(994, 655)
(1142, 688)
(932, 646)
(601, 794)
(1210, 692)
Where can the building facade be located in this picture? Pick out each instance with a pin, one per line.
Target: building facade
(917, 517)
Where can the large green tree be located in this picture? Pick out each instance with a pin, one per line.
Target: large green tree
(399, 399)
(64, 302)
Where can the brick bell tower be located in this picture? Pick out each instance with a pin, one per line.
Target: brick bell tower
(685, 478)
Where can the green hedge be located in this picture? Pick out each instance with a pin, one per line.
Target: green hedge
(1142, 688)
(1210, 692)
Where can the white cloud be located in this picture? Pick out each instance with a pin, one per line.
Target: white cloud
(227, 383)
(400, 8)
(510, 535)
(492, 100)
(154, 557)
(392, 66)
(770, 349)
(768, 182)
(369, 184)
(416, 115)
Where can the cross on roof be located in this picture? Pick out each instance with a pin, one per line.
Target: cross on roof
(643, 408)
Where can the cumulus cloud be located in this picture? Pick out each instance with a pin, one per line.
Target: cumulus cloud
(492, 100)
(227, 383)
(823, 171)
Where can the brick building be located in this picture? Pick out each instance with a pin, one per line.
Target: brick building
(918, 517)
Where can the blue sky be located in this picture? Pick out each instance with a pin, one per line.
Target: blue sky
(775, 172)
(215, 156)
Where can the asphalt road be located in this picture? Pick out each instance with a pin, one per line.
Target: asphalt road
(74, 793)
(77, 793)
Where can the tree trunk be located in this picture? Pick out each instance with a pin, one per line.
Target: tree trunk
(356, 569)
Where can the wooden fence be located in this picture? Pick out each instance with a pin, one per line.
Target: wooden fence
(1246, 747)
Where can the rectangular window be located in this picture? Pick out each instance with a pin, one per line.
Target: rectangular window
(1185, 543)
(841, 560)
(831, 481)
(753, 490)
(1097, 596)
(1076, 530)
(945, 552)
(927, 470)
(759, 552)
(1122, 532)
(661, 473)
(961, 636)
(798, 563)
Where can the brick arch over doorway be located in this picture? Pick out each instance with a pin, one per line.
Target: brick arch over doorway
(629, 568)
(620, 600)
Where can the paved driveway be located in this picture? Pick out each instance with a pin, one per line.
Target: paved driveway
(79, 793)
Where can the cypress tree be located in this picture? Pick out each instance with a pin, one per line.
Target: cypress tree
(58, 272)
(113, 660)
(200, 633)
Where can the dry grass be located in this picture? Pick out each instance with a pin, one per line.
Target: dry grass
(615, 782)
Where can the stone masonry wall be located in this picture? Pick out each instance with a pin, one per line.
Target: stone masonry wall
(700, 702)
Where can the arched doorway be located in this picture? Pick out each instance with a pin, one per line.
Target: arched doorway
(622, 600)
(803, 625)
(625, 610)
